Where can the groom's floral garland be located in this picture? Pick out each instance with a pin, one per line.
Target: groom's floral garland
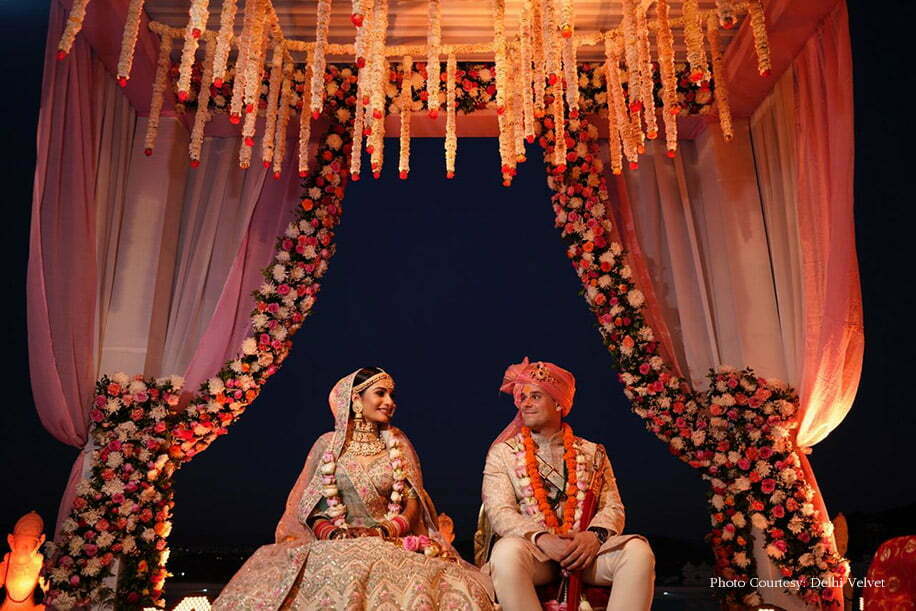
(739, 434)
(534, 499)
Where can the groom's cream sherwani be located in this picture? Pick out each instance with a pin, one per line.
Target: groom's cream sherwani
(517, 564)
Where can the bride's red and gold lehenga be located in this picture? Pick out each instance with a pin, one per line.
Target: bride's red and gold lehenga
(305, 570)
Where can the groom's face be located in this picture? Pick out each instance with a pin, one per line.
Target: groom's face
(537, 408)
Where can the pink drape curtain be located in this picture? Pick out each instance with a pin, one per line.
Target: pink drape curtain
(137, 264)
(750, 245)
(834, 338)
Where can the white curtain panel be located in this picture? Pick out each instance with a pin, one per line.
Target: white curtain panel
(715, 257)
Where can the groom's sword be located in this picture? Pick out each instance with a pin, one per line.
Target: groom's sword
(589, 509)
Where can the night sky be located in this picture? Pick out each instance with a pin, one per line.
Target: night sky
(444, 283)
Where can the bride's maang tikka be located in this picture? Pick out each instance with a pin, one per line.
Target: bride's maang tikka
(379, 378)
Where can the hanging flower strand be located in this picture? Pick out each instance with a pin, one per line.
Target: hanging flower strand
(305, 134)
(727, 13)
(74, 25)
(538, 82)
(319, 61)
(525, 75)
(254, 69)
(129, 40)
(203, 103)
(646, 74)
(159, 85)
(268, 140)
(223, 41)
(761, 42)
(631, 57)
(197, 23)
(693, 37)
(451, 139)
(715, 52)
(665, 43)
(404, 104)
(244, 44)
(286, 91)
(433, 68)
(617, 101)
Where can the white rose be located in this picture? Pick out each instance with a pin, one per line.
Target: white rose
(249, 346)
(137, 386)
(635, 298)
(120, 378)
(759, 521)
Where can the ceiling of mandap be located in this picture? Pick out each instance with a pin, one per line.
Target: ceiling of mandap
(463, 21)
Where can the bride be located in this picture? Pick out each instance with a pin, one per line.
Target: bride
(359, 530)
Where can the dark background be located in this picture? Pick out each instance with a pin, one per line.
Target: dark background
(444, 283)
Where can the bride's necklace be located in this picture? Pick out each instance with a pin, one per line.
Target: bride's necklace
(365, 439)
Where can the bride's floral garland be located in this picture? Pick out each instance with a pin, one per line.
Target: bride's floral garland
(535, 502)
(738, 434)
(336, 508)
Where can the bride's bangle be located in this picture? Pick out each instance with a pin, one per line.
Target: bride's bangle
(399, 525)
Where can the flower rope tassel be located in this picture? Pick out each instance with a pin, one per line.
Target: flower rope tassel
(159, 85)
(404, 104)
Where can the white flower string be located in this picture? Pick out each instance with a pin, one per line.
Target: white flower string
(693, 37)
(434, 41)
(129, 40)
(203, 104)
(319, 61)
(405, 103)
(618, 102)
(286, 92)
(305, 134)
(74, 25)
(559, 127)
(646, 76)
(223, 41)
(159, 86)
(761, 42)
(525, 75)
(254, 67)
(539, 69)
(613, 120)
(550, 39)
(451, 139)
(197, 23)
(666, 68)
(715, 52)
(268, 140)
(244, 43)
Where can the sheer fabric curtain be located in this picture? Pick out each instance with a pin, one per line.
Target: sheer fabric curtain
(85, 130)
(137, 264)
(750, 244)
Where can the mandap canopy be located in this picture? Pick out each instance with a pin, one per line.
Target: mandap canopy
(703, 191)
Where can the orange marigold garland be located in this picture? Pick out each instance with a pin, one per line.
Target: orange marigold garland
(571, 511)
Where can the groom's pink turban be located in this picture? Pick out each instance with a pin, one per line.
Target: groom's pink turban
(552, 379)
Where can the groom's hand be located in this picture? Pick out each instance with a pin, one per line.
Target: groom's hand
(583, 548)
(555, 547)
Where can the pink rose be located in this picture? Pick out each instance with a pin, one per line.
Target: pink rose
(411, 543)
(778, 511)
(768, 485)
(91, 549)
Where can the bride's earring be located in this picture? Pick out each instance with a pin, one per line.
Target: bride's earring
(358, 410)
(558, 407)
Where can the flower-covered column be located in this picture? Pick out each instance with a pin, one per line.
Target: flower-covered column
(141, 435)
(738, 434)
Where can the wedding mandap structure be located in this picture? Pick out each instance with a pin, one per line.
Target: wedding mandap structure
(193, 158)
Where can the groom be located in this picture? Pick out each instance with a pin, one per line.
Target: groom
(535, 479)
